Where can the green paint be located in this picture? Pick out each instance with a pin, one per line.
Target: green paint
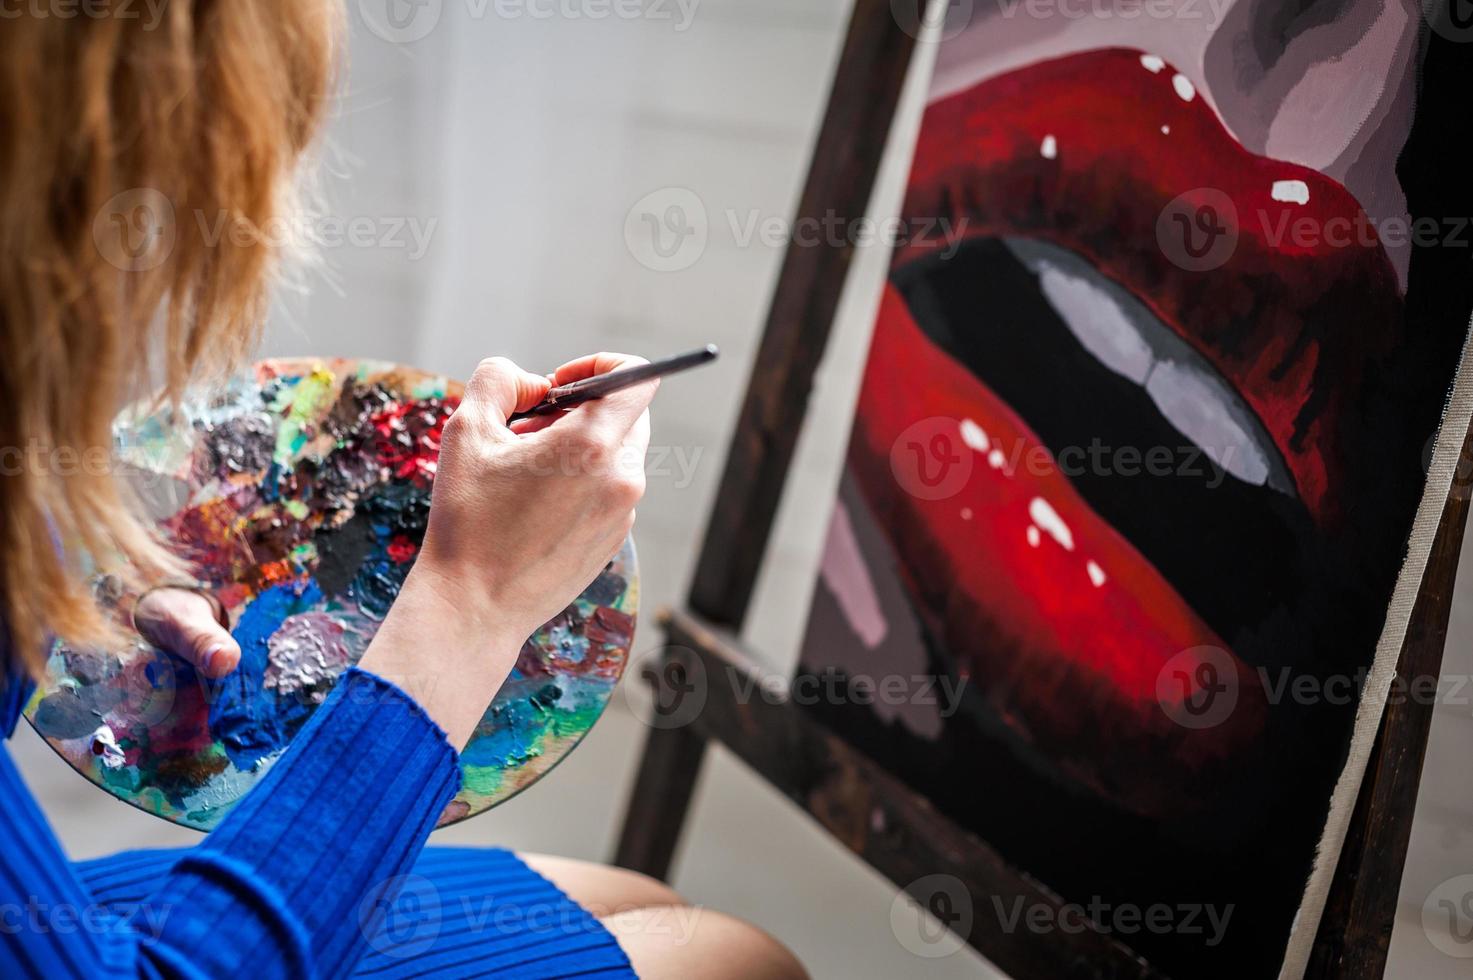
(480, 780)
(301, 405)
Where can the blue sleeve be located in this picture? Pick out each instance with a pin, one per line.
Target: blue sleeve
(285, 886)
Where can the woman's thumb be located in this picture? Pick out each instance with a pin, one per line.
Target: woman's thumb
(184, 623)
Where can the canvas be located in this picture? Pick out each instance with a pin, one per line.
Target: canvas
(1141, 442)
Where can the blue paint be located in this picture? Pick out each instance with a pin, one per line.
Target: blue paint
(251, 721)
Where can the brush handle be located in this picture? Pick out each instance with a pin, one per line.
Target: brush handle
(564, 397)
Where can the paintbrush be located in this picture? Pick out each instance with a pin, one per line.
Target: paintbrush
(564, 397)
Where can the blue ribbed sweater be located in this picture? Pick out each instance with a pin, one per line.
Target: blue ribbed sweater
(296, 881)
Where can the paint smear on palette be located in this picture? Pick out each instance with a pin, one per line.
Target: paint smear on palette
(301, 493)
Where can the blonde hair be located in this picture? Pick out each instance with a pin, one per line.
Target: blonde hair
(116, 130)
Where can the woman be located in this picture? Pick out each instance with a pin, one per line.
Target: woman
(210, 106)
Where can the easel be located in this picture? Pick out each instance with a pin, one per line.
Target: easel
(887, 825)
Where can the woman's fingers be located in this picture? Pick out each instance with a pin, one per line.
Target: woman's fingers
(183, 622)
(591, 364)
(607, 420)
(500, 388)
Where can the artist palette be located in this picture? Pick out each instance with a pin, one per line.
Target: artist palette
(300, 493)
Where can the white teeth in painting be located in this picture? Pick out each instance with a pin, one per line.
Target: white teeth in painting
(1127, 338)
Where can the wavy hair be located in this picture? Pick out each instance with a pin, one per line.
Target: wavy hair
(120, 125)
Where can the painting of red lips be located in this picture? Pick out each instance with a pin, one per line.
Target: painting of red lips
(1138, 447)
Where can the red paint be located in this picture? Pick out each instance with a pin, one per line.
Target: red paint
(401, 549)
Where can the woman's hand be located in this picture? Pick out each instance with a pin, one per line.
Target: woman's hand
(522, 519)
(183, 622)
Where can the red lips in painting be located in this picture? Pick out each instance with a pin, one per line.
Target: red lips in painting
(1147, 344)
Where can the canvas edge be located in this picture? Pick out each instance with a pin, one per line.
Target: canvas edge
(1453, 429)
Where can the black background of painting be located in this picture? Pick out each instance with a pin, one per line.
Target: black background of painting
(1255, 856)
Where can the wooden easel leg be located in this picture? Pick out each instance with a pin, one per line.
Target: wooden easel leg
(662, 793)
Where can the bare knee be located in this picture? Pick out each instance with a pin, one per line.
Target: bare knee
(692, 943)
(603, 890)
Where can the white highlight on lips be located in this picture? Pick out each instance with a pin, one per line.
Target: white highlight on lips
(1033, 536)
(1050, 147)
(1184, 87)
(1096, 573)
(1046, 517)
(1290, 191)
(1152, 63)
(1128, 339)
(973, 436)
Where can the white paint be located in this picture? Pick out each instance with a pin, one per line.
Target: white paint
(995, 459)
(1096, 573)
(974, 436)
(110, 754)
(1152, 63)
(1165, 130)
(966, 513)
(1290, 191)
(1184, 87)
(1046, 517)
(1050, 147)
(1033, 536)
